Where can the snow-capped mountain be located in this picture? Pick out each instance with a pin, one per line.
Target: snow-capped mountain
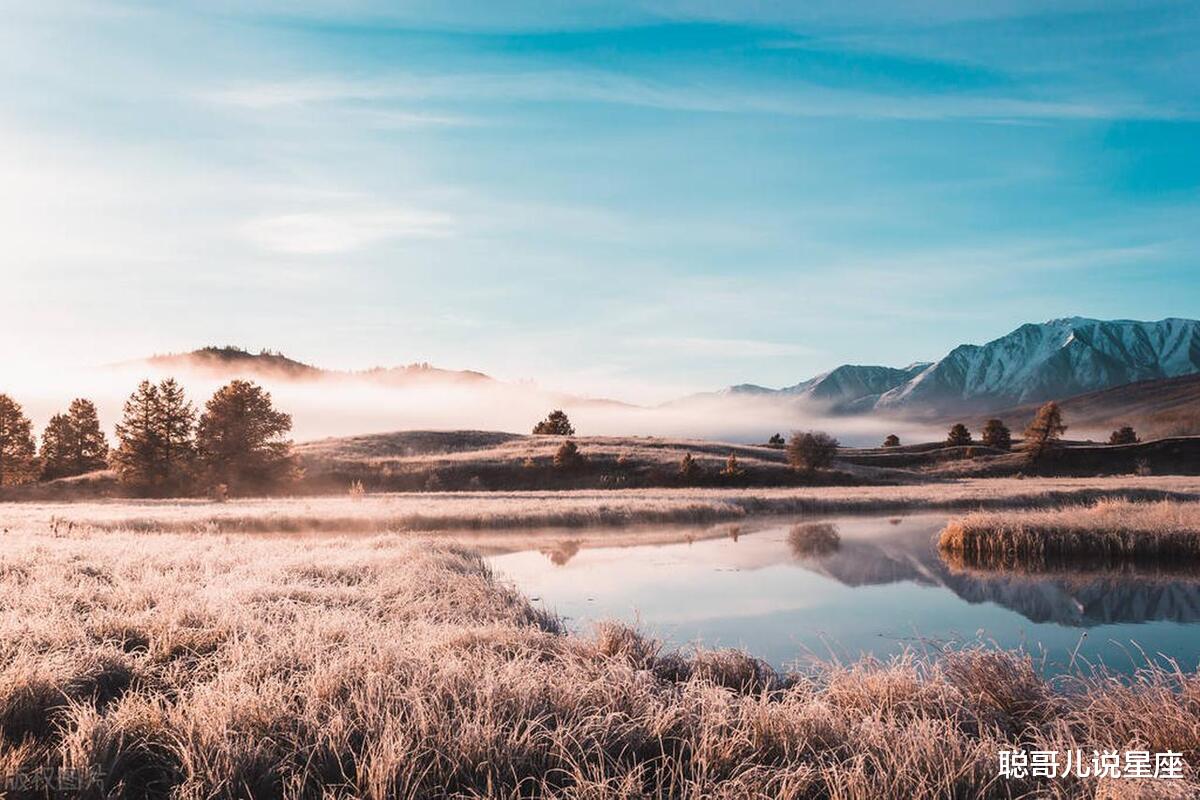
(1052, 360)
(1034, 363)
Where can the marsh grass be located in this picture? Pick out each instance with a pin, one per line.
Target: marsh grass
(200, 665)
(1104, 531)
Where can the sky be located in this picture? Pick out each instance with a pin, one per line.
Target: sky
(636, 200)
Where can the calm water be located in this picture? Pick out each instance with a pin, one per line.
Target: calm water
(884, 588)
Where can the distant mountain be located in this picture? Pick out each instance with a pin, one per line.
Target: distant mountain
(230, 362)
(1053, 360)
(1036, 362)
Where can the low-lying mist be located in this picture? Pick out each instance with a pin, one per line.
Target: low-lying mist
(346, 405)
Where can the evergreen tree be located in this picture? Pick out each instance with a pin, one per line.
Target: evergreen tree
(1124, 435)
(176, 424)
(241, 439)
(892, 440)
(959, 435)
(568, 456)
(58, 444)
(1043, 434)
(996, 434)
(733, 468)
(776, 441)
(555, 424)
(90, 451)
(18, 462)
(72, 443)
(138, 457)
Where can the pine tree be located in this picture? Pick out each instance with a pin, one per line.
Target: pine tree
(241, 438)
(555, 424)
(58, 445)
(18, 463)
(176, 425)
(996, 434)
(138, 457)
(892, 440)
(1042, 435)
(90, 445)
(568, 456)
(959, 435)
(777, 441)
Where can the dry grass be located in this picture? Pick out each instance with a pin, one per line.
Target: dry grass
(588, 508)
(1107, 530)
(195, 666)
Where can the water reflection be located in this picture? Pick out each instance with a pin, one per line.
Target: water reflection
(851, 584)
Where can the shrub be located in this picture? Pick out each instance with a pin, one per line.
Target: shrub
(733, 469)
(555, 424)
(568, 456)
(811, 450)
(689, 470)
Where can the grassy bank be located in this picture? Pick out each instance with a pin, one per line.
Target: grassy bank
(516, 510)
(1105, 530)
(227, 666)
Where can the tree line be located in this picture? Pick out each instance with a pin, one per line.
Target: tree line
(164, 446)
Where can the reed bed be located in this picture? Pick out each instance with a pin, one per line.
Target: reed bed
(1105, 531)
(218, 666)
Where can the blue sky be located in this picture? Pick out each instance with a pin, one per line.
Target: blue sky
(634, 199)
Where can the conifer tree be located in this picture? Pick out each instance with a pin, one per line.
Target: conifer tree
(18, 462)
(996, 434)
(1043, 434)
(241, 439)
(959, 435)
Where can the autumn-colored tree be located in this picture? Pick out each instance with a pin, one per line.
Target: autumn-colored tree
(241, 439)
(959, 436)
(733, 468)
(1043, 434)
(1124, 435)
(996, 434)
(18, 462)
(892, 440)
(809, 451)
(555, 424)
(72, 443)
(155, 449)
(568, 456)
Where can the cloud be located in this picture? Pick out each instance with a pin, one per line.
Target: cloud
(315, 233)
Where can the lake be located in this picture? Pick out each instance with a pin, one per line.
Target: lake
(756, 585)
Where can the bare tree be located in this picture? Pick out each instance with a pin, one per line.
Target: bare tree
(809, 451)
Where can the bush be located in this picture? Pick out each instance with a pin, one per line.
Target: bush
(568, 456)
(555, 424)
(733, 469)
(1124, 435)
(689, 470)
(811, 450)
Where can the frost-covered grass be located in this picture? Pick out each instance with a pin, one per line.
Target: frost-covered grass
(191, 665)
(1104, 530)
(508, 510)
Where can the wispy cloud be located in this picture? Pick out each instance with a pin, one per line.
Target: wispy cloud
(315, 233)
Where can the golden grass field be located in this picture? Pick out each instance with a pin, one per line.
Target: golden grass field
(1110, 529)
(196, 663)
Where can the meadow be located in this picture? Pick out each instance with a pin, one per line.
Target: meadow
(209, 664)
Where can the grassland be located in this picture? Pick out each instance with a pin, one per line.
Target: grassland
(204, 665)
(1107, 530)
(582, 508)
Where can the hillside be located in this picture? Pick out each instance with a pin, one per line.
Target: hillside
(1156, 409)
